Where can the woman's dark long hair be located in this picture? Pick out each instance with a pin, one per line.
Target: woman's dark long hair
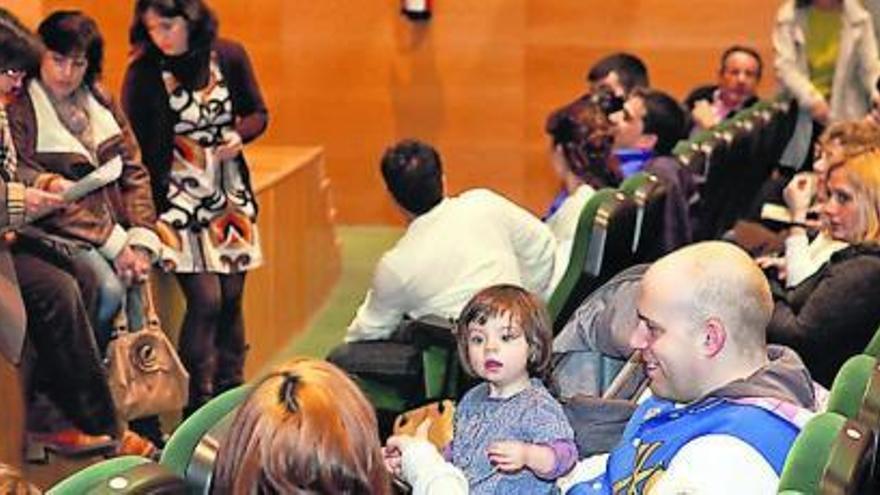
(201, 24)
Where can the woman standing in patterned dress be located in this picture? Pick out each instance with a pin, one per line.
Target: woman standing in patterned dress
(193, 101)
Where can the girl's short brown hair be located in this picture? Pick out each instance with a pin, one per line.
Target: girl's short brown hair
(305, 429)
(523, 308)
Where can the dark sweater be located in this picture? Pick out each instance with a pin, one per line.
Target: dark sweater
(145, 101)
(833, 314)
(708, 93)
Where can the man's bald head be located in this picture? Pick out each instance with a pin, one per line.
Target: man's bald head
(720, 280)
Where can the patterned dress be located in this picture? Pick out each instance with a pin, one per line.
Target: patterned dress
(211, 224)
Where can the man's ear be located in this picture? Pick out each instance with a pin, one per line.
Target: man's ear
(647, 141)
(714, 337)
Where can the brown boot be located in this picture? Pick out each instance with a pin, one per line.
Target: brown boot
(134, 444)
(69, 442)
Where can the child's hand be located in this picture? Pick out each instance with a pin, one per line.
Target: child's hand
(391, 455)
(508, 456)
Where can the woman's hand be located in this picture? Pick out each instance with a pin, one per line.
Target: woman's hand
(770, 262)
(132, 265)
(799, 194)
(392, 453)
(38, 202)
(230, 148)
(58, 185)
(820, 111)
(704, 115)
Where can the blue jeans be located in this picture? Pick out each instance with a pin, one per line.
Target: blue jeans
(112, 296)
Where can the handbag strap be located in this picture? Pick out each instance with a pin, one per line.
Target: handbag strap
(120, 321)
(149, 305)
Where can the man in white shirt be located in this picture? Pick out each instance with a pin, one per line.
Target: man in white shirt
(453, 246)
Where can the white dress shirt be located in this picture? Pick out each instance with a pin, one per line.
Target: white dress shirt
(448, 254)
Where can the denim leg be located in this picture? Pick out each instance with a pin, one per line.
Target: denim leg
(110, 293)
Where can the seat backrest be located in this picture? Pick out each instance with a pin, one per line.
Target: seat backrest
(128, 474)
(851, 384)
(873, 347)
(831, 455)
(602, 246)
(190, 451)
(650, 195)
(443, 375)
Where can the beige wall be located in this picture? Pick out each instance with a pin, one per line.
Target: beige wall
(477, 80)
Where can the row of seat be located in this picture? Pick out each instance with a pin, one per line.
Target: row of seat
(186, 465)
(733, 160)
(836, 452)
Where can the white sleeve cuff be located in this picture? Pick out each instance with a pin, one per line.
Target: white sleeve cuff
(145, 238)
(114, 243)
(428, 472)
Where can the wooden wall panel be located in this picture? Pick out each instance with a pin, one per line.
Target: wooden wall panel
(477, 80)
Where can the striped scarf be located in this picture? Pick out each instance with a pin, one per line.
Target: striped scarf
(8, 161)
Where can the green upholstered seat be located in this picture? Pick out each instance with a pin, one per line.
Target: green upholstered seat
(435, 375)
(650, 196)
(192, 448)
(855, 391)
(873, 347)
(602, 247)
(128, 474)
(831, 455)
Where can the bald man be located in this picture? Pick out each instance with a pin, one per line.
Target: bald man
(725, 408)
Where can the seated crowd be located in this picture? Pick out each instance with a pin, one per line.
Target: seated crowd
(738, 345)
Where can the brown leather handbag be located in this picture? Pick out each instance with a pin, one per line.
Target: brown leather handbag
(145, 374)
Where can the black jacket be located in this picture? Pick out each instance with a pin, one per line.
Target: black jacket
(832, 315)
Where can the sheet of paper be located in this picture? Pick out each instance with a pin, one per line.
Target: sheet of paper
(107, 173)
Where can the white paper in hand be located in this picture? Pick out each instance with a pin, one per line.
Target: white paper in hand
(108, 172)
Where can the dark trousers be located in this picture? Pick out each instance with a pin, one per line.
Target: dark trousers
(61, 357)
(212, 343)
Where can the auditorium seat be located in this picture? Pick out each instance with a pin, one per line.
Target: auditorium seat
(855, 392)
(128, 474)
(602, 247)
(425, 367)
(192, 448)
(831, 455)
(873, 347)
(650, 195)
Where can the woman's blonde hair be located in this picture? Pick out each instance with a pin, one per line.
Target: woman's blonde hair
(863, 174)
(305, 429)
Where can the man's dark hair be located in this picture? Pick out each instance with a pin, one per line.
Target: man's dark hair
(19, 48)
(632, 72)
(71, 33)
(664, 118)
(742, 49)
(413, 175)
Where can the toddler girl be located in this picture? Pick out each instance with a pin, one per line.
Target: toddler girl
(510, 435)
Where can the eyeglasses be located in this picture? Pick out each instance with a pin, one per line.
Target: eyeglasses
(13, 73)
